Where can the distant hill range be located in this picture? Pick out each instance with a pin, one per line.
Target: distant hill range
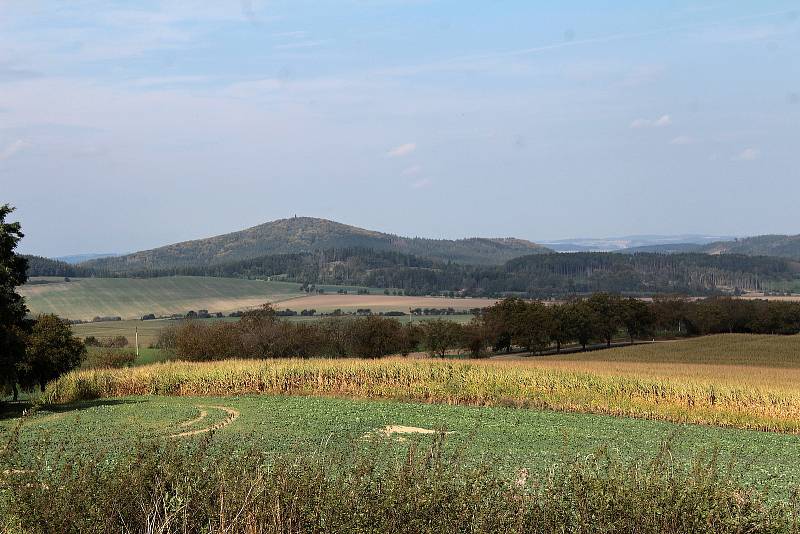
(777, 246)
(780, 246)
(643, 243)
(80, 258)
(307, 234)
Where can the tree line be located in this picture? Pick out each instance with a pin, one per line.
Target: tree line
(41, 266)
(511, 324)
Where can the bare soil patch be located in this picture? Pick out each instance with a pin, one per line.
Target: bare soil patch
(391, 430)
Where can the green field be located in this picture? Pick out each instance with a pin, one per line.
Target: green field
(130, 298)
(509, 438)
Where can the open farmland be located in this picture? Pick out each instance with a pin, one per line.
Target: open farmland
(514, 418)
(723, 394)
(378, 303)
(510, 438)
(130, 298)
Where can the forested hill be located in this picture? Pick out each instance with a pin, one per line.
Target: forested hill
(306, 234)
(40, 266)
(782, 246)
(541, 275)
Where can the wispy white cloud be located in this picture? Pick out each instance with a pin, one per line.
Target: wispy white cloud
(402, 150)
(421, 184)
(411, 171)
(290, 35)
(682, 140)
(643, 74)
(748, 154)
(663, 120)
(169, 80)
(480, 61)
(9, 73)
(299, 45)
(743, 34)
(299, 88)
(12, 149)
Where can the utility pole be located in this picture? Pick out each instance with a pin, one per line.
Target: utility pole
(137, 341)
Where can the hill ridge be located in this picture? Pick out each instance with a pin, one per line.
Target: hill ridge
(776, 245)
(308, 234)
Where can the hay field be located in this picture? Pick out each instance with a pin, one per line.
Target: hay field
(129, 298)
(328, 303)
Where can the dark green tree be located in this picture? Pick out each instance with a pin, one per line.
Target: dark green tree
(637, 317)
(51, 350)
(13, 270)
(561, 329)
(532, 327)
(607, 310)
(440, 336)
(503, 321)
(581, 322)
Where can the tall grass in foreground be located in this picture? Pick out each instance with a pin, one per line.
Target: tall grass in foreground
(171, 489)
(472, 383)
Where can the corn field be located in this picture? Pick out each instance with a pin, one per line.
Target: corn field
(680, 398)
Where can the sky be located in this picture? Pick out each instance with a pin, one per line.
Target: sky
(130, 125)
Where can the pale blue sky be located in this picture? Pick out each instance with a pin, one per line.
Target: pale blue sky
(128, 125)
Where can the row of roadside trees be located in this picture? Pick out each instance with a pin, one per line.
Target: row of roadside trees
(511, 324)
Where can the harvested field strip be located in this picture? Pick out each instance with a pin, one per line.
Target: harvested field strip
(482, 383)
(326, 303)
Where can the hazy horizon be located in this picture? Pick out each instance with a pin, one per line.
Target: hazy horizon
(126, 128)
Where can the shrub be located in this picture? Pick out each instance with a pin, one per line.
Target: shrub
(109, 358)
(167, 338)
(117, 342)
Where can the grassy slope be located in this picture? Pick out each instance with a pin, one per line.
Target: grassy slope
(512, 438)
(130, 298)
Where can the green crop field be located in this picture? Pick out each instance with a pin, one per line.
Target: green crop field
(510, 438)
(131, 298)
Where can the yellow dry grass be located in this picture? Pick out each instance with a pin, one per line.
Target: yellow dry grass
(722, 394)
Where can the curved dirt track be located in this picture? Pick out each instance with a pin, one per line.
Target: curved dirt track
(233, 415)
